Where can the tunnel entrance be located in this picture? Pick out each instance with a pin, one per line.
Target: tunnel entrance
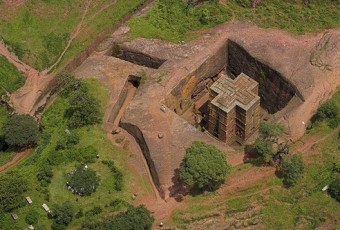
(136, 57)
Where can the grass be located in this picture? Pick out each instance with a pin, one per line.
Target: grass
(11, 78)
(174, 21)
(55, 124)
(39, 30)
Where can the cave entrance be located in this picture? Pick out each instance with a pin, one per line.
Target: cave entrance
(134, 80)
(127, 93)
(136, 57)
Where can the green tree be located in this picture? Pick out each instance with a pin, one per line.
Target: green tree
(83, 180)
(84, 109)
(264, 149)
(271, 130)
(292, 168)
(204, 166)
(62, 215)
(328, 110)
(12, 188)
(21, 131)
(269, 133)
(334, 189)
(45, 175)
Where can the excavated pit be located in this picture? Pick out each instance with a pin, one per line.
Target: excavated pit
(275, 90)
(136, 57)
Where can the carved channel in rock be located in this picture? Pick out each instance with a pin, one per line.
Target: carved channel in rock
(138, 135)
(136, 57)
(126, 95)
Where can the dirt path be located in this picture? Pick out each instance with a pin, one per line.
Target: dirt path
(16, 159)
(13, 59)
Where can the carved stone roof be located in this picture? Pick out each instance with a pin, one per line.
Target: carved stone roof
(241, 91)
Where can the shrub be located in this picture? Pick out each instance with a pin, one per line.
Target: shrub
(292, 168)
(45, 175)
(334, 189)
(136, 218)
(327, 110)
(118, 176)
(12, 189)
(32, 217)
(94, 211)
(62, 215)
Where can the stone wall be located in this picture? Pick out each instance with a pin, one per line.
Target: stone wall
(136, 57)
(180, 98)
(138, 135)
(274, 90)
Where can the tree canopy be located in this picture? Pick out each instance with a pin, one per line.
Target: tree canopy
(204, 166)
(269, 129)
(83, 180)
(269, 133)
(292, 168)
(21, 131)
(13, 185)
(62, 215)
(84, 109)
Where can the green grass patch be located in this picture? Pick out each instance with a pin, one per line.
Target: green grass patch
(11, 78)
(6, 157)
(175, 21)
(39, 30)
(172, 20)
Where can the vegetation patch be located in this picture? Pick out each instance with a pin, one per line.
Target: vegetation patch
(329, 112)
(13, 185)
(82, 181)
(11, 78)
(134, 218)
(20, 131)
(61, 149)
(39, 30)
(175, 20)
(118, 176)
(204, 166)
